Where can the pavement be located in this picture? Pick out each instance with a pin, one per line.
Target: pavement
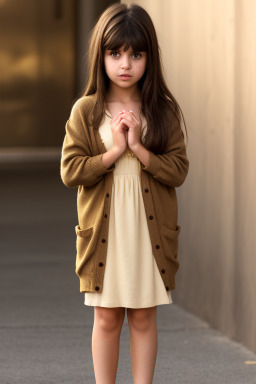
(45, 328)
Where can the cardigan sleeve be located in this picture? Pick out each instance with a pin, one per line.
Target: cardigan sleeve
(170, 168)
(78, 167)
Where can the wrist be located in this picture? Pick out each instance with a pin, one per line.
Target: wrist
(142, 153)
(117, 152)
(136, 148)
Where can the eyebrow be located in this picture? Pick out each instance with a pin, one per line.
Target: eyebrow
(115, 50)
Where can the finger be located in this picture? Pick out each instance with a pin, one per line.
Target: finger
(127, 117)
(132, 115)
(116, 121)
(125, 120)
(116, 117)
(135, 118)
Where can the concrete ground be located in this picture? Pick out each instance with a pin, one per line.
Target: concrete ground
(45, 328)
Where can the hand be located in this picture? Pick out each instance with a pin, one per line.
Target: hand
(119, 133)
(133, 127)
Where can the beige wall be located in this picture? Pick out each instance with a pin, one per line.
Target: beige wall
(209, 56)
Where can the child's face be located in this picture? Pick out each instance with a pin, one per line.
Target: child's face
(120, 62)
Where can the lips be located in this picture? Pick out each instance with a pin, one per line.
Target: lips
(125, 75)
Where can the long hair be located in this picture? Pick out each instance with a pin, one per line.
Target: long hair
(131, 26)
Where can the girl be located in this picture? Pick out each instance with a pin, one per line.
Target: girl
(124, 149)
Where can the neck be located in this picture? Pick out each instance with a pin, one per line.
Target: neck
(127, 95)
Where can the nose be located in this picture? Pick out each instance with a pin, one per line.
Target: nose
(125, 61)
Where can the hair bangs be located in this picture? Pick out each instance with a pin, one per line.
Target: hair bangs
(125, 35)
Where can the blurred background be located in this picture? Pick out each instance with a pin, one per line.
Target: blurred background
(209, 58)
(43, 69)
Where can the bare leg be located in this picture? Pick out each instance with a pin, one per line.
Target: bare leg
(143, 343)
(107, 328)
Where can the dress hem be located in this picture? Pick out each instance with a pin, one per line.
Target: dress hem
(109, 305)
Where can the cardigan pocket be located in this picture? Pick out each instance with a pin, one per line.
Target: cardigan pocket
(83, 247)
(170, 244)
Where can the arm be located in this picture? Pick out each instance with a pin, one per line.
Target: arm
(170, 168)
(78, 167)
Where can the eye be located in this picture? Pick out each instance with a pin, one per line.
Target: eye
(114, 53)
(137, 54)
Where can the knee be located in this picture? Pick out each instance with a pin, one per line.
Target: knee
(141, 319)
(109, 319)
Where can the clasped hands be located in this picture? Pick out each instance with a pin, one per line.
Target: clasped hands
(131, 127)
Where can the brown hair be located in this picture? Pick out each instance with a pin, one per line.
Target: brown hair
(130, 25)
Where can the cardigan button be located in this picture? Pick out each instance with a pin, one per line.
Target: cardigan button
(97, 288)
(146, 190)
(157, 246)
(101, 264)
(163, 270)
(151, 217)
(105, 215)
(167, 288)
(103, 240)
(107, 194)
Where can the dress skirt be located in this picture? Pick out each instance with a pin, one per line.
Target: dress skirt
(132, 278)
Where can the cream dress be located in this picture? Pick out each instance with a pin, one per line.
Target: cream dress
(132, 278)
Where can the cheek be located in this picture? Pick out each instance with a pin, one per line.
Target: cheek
(106, 64)
(141, 67)
(109, 66)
